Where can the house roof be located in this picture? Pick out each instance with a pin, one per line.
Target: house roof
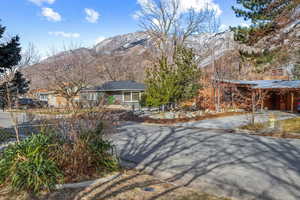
(268, 84)
(118, 86)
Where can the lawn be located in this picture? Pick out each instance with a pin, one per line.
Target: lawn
(289, 128)
(131, 185)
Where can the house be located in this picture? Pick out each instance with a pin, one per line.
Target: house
(279, 94)
(53, 100)
(123, 93)
(39, 94)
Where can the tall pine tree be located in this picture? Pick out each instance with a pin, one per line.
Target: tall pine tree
(12, 81)
(9, 52)
(171, 83)
(262, 11)
(263, 15)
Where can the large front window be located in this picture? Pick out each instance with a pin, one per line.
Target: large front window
(131, 96)
(135, 96)
(127, 96)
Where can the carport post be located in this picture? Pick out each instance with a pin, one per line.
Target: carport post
(253, 106)
(292, 102)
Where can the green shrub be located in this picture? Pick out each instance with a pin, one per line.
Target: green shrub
(111, 100)
(27, 166)
(45, 159)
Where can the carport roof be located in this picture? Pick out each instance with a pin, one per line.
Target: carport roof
(268, 84)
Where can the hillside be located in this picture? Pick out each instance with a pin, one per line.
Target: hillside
(126, 56)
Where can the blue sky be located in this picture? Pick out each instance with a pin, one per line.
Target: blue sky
(51, 23)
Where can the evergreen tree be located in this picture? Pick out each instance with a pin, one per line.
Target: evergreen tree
(162, 84)
(17, 86)
(12, 81)
(188, 73)
(9, 52)
(263, 15)
(172, 83)
(262, 11)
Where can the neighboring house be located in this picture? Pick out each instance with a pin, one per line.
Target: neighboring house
(40, 94)
(53, 100)
(123, 93)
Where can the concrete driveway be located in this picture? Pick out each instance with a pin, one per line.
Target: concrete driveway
(236, 121)
(214, 161)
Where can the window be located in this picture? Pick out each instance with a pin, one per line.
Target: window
(43, 97)
(135, 96)
(131, 96)
(127, 96)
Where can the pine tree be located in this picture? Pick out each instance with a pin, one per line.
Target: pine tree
(13, 83)
(262, 11)
(188, 73)
(162, 84)
(172, 83)
(263, 15)
(17, 86)
(9, 52)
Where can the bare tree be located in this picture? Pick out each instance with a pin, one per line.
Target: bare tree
(67, 73)
(169, 26)
(30, 56)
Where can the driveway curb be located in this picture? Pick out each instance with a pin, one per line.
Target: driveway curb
(86, 183)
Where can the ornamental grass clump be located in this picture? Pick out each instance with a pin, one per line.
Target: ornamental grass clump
(48, 158)
(86, 155)
(28, 166)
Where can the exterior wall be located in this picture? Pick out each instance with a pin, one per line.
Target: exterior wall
(59, 102)
(117, 95)
(119, 98)
(112, 98)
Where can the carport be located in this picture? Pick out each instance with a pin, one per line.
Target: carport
(281, 95)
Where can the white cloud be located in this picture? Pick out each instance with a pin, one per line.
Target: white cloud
(64, 34)
(92, 16)
(100, 39)
(40, 2)
(199, 5)
(185, 5)
(51, 15)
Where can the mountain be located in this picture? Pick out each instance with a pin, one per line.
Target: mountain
(125, 57)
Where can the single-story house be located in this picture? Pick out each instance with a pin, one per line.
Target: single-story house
(53, 100)
(280, 94)
(123, 93)
(40, 94)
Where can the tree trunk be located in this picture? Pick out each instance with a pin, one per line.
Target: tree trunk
(13, 117)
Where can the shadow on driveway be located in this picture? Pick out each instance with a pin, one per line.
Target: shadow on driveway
(213, 161)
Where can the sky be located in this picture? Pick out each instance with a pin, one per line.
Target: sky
(52, 24)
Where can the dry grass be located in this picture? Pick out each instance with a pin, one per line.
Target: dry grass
(289, 128)
(131, 185)
(291, 125)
